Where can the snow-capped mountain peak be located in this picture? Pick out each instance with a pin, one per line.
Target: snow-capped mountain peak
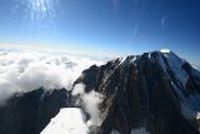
(144, 91)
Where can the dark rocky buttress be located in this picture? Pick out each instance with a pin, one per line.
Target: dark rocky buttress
(29, 113)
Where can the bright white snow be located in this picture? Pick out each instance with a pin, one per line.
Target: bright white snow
(164, 50)
(68, 121)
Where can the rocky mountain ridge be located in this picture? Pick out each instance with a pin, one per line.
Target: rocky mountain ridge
(156, 92)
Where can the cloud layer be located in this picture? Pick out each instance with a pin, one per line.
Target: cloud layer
(27, 71)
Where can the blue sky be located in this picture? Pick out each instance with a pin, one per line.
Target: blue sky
(110, 26)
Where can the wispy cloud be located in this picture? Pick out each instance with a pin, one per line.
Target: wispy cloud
(163, 21)
(40, 9)
(115, 4)
(135, 31)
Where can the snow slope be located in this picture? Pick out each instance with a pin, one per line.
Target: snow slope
(68, 121)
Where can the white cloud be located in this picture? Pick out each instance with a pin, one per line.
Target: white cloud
(78, 89)
(27, 71)
(90, 102)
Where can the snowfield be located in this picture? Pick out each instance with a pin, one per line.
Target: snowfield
(67, 121)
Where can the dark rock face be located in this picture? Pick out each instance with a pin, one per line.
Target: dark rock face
(147, 92)
(31, 112)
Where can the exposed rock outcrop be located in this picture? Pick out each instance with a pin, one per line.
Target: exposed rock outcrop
(29, 113)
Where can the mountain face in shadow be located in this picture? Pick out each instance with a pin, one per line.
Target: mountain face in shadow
(154, 93)
(29, 113)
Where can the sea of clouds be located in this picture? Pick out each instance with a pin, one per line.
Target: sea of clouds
(25, 71)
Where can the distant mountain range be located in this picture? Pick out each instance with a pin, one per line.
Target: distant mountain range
(153, 93)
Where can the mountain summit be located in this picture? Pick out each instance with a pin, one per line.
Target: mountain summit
(153, 93)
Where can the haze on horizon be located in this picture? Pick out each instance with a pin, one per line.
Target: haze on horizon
(110, 26)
